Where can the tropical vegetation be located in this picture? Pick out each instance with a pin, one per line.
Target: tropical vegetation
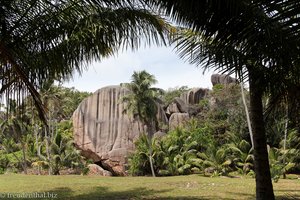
(143, 102)
(27, 144)
(215, 142)
(257, 40)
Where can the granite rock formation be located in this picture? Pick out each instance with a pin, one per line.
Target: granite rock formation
(222, 79)
(103, 132)
(194, 96)
(106, 134)
(95, 169)
(178, 119)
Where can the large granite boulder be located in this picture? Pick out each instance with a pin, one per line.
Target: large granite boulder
(181, 105)
(194, 96)
(222, 79)
(172, 108)
(104, 132)
(95, 169)
(178, 119)
(161, 116)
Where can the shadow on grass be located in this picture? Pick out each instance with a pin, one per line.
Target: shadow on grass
(241, 195)
(288, 194)
(103, 193)
(288, 197)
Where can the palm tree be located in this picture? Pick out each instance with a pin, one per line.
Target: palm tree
(145, 151)
(14, 128)
(62, 153)
(142, 103)
(42, 40)
(258, 39)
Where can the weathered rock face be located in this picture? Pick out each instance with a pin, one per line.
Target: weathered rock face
(222, 79)
(104, 132)
(181, 105)
(161, 115)
(172, 108)
(101, 129)
(178, 119)
(194, 95)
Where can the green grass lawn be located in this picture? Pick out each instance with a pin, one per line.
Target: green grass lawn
(176, 187)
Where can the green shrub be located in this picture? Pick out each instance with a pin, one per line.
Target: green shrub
(2, 170)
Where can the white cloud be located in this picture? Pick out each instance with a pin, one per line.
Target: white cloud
(162, 62)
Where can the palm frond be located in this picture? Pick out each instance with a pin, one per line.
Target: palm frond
(42, 40)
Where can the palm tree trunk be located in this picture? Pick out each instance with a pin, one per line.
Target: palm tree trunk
(264, 188)
(285, 137)
(48, 151)
(150, 130)
(151, 163)
(24, 157)
(247, 113)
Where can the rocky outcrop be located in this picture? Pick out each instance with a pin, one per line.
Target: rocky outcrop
(104, 132)
(172, 108)
(194, 96)
(181, 105)
(222, 79)
(97, 170)
(161, 115)
(178, 119)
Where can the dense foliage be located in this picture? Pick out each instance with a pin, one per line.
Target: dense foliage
(215, 142)
(26, 143)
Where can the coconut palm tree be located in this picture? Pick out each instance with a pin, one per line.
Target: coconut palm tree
(142, 102)
(257, 39)
(145, 153)
(42, 40)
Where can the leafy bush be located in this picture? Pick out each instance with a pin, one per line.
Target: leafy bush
(139, 160)
(175, 154)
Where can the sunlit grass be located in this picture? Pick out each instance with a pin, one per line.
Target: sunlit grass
(176, 187)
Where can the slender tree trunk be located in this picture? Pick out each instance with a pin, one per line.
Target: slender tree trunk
(48, 151)
(150, 137)
(151, 162)
(247, 113)
(285, 137)
(264, 188)
(24, 157)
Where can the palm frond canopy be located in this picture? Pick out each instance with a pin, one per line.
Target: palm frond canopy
(142, 99)
(228, 35)
(41, 39)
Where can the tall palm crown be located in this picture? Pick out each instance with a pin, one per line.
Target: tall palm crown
(41, 39)
(142, 99)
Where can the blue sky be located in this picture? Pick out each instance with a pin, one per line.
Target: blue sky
(162, 62)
